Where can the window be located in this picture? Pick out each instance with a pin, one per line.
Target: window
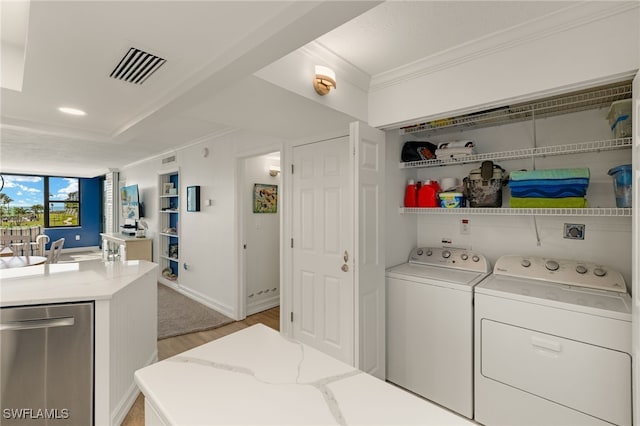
(63, 202)
(40, 200)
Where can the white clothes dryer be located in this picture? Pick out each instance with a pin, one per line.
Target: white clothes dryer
(552, 344)
(430, 324)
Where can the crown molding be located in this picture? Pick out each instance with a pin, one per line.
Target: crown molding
(36, 128)
(565, 19)
(344, 69)
(209, 137)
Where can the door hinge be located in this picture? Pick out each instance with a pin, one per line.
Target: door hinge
(292, 243)
(291, 168)
(291, 316)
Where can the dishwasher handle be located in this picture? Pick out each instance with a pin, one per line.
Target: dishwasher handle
(39, 323)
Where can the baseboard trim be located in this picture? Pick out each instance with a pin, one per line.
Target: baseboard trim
(201, 298)
(263, 305)
(129, 398)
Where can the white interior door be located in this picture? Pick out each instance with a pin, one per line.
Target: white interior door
(369, 147)
(323, 279)
(635, 228)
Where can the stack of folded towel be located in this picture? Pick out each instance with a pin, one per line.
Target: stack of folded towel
(455, 149)
(549, 188)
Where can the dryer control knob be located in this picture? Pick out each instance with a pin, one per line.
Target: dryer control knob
(429, 252)
(599, 272)
(475, 258)
(552, 265)
(525, 263)
(446, 254)
(581, 269)
(464, 256)
(420, 252)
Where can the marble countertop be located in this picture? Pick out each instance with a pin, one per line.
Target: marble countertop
(68, 282)
(258, 377)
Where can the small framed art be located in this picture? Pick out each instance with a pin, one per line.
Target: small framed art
(265, 198)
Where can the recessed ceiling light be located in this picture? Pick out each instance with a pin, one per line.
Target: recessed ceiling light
(72, 111)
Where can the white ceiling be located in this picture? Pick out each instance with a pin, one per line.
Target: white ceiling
(207, 86)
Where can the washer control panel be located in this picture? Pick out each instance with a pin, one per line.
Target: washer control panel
(450, 257)
(562, 271)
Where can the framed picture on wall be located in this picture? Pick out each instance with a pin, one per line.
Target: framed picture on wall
(265, 198)
(193, 198)
(167, 188)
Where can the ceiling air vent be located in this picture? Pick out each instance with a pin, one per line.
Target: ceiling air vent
(136, 66)
(169, 159)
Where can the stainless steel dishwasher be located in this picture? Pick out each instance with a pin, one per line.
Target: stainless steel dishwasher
(46, 364)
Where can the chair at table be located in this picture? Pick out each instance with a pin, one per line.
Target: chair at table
(12, 245)
(38, 247)
(37, 238)
(55, 250)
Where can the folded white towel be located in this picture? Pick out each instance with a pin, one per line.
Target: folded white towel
(442, 154)
(456, 144)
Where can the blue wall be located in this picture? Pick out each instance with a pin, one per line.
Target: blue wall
(89, 231)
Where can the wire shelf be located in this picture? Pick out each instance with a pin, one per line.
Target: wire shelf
(606, 211)
(573, 148)
(579, 101)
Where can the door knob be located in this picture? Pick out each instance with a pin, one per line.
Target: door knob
(345, 268)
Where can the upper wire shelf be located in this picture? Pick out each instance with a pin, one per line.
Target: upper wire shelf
(598, 211)
(572, 148)
(578, 101)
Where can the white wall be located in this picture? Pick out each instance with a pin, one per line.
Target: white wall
(262, 237)
(209, 238)
(592, 41)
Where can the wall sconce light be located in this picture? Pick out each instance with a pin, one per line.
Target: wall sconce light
(324, 80)
(274, 170)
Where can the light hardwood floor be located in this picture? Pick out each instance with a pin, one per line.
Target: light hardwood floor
(175, 345)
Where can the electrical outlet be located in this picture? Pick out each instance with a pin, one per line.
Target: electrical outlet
(77, 237)
(465, 227)
(574, 231)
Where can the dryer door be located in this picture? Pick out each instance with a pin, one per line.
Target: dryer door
(586, 378)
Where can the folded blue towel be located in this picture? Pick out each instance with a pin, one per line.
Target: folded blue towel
(581, 172)
(549, 188)
(548, 182)
(538, 191)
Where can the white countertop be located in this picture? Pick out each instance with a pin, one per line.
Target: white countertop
(68, 282)
(119, 236)
(258, 377)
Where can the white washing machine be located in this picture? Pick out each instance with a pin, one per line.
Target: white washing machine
(553, 344)
(430, 324)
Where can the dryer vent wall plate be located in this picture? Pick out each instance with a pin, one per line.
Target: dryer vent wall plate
(574, 231)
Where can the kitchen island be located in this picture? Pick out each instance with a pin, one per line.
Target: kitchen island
(258, 377)
(124, 298)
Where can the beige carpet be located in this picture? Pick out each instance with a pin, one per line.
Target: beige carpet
(178, 314)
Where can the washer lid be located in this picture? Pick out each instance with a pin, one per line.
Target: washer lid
(580, 299)
(430, 274)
